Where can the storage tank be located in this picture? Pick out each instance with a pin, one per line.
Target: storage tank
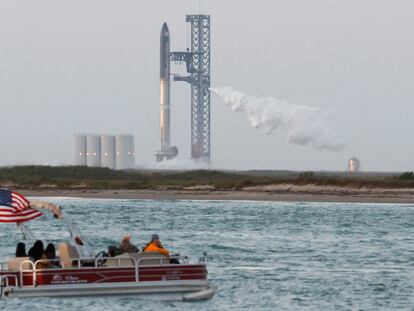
(93, 150)
(354, 165)
(79, 149)
(108, 151)
(125, 152)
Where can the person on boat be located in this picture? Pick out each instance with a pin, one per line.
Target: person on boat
(48, 259)
(50, 254)
(126, 246)
(36, 252)
(156, 246)
(113, 251)
(21, 250)
(50, 251)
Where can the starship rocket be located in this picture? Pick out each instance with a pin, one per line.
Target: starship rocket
(166, 151)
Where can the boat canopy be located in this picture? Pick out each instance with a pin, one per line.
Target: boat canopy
(55, 209)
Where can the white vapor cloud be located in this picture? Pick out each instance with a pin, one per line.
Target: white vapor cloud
(303, 125)
(176, 164)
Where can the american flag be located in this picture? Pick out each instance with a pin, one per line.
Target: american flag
(15, 208)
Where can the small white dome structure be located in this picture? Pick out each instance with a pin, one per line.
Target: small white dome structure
(354, 165)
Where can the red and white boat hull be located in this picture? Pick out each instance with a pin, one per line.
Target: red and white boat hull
(171, 290)
(163, 282)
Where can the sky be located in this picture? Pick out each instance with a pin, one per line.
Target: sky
(92, 66)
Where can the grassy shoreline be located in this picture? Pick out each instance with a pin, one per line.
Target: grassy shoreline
(78, 177)
(70, 181)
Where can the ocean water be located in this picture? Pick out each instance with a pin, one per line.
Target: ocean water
(262, 255)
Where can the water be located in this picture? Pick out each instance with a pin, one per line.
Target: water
(263, 255)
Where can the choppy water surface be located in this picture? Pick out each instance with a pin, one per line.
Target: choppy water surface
(263, 255)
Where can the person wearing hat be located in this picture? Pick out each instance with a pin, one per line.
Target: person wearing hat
(156, 246)
(126, 246)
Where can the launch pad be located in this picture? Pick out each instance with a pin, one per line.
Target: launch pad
(197, 61)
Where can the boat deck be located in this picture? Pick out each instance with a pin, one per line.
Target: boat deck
(91, 276)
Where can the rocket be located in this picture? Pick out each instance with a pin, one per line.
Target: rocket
(166, 150)
(165, 87)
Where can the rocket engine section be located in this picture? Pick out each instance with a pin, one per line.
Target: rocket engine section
(166, 151)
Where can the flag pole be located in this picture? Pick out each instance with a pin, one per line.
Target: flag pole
(27, 233)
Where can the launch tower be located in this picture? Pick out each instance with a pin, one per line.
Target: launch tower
(197, 61)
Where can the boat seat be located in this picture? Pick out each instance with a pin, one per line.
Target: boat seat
(152, 259)
(147, 259)
(123, 260)
(13, 264)
(68, 254)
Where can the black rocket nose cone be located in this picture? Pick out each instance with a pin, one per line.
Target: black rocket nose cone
(164, 29)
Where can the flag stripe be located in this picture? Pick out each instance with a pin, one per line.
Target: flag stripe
(13, 215)
(20, 198)
(16, 208)
(8, 209)
(23, 214)
(19, 201)
(28, 217)
(26, 201)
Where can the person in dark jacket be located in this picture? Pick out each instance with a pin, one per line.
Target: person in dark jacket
(21, 250)
(126, 246)
(50, 254)
(36, 252)
(50, 251)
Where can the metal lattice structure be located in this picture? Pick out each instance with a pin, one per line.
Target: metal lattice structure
(198, 66)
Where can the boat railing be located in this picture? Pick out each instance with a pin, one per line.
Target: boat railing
(49, 263)
(3, 266)
(29, 267)
(4, 280)
(30, 270)
(92, 262)
(161, 260)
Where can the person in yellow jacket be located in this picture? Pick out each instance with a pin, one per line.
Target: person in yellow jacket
(156, 246)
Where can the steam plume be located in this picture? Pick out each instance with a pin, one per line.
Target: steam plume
(177, 164)
(304, 125)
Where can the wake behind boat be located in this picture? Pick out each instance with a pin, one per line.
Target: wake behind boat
(78, 271)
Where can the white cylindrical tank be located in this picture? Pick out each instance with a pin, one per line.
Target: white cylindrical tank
(79, 149)
(108, 151)
(93, 150)
(125, 152)
(354, 165)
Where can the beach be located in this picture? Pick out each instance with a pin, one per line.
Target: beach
(280, 192)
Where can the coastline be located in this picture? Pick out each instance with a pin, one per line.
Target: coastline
(302, 194)
(256, 185)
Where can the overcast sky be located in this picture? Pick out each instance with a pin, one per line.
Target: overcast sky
(93, 66)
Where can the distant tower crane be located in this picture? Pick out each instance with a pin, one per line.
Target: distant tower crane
(197, 61)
